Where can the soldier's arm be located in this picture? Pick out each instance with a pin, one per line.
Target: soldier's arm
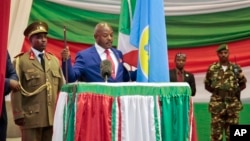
(207, 82)
(242, 81)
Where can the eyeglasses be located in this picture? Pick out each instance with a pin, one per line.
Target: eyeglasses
(180, 55)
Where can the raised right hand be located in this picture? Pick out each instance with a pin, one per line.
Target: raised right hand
(65, 53)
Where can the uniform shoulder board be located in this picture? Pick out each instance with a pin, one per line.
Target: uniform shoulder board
(50, 53)
(20, 54)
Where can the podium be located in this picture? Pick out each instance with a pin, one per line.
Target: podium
(123, 112)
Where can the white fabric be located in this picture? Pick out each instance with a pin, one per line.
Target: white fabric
(172, 7)
(123, 43)
(116, 119)
(137, 116)
(19, 16)
(58, 123)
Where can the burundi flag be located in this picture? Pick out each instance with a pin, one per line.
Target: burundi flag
(148, 34)
(126, 17)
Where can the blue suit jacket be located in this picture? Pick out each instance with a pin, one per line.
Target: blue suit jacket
(9, 74)
(87, 67)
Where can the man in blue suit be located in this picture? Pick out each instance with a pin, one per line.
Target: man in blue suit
(10, 83)
(88, 62)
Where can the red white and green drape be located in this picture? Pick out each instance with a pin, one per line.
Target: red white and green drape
(123, 112)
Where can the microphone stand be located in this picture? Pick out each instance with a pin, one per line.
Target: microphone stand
(106, 78)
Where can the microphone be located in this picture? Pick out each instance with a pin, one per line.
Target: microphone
(106, 69)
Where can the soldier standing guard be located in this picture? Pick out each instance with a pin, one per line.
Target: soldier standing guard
(41, 79)
(224, 80)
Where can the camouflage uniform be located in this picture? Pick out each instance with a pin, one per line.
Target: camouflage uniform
(224, 104)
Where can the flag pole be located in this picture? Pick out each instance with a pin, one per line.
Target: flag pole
(65, 46)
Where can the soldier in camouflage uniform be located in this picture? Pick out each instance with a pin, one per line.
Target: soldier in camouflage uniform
(225, 81)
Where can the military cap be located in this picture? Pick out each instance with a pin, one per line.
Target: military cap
(36, 27)
(222, 47)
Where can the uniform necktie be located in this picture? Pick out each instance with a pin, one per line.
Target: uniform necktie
(112, 62)
(179, 76)
(42, 60)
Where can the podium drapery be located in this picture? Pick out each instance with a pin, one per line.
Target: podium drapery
(123, 112)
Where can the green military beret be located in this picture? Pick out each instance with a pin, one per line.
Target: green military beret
(222, 47)
(36, 27)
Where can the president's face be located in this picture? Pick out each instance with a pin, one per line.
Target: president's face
(104, 36)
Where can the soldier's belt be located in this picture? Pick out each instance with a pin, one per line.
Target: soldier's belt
(225, 93)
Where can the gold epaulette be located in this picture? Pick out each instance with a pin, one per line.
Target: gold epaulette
(50, 53)
(20, 54)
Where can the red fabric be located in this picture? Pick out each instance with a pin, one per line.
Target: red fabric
(93, 117)
(193, 134)
(120, 120)
(4, 26)
(112, 63)
(198, 58)
(179, 76)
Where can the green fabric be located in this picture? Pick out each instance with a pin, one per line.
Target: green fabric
(169, 91)
(156, 115)
(174, 110)
(126, 16)
(203, 119)
(208, 29)
(69, 119)
(182, 31)
(79, 23)
(114, 120)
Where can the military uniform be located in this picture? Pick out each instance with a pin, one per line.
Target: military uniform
(224, 106)
(36, 102)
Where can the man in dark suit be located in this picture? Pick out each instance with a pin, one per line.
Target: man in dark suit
(10, 83)
(87, 62)
(179, 74)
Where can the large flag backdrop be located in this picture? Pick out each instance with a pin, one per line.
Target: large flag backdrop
(195, 28)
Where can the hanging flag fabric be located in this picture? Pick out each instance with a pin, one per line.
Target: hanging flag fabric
(4, 24)
(148, 34)
(140, 118)
(125, 21)
(118, 111)
(59, 112)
